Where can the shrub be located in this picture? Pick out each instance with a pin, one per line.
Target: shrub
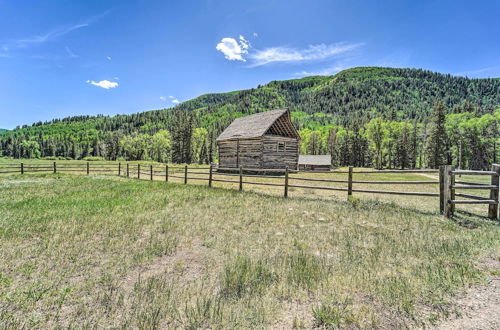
(304, 269)
(93, 159)
(332, 316)
(244, 276)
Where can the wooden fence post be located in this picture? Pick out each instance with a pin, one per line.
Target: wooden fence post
(210, 176)
(494, 193)
(119, 169)
(286, 182)
(151, 172)
(349, 182)
(88, 168)
(22, 168)
(138, 171)
(166, 173)
(452, 191)
(185, 174)
(447, 210)
(441, 189)
(241, 178)
(128, 170)
(55, 167)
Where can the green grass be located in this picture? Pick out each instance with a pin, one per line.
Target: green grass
(77, 251)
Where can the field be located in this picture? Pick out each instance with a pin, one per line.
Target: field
(100, 250)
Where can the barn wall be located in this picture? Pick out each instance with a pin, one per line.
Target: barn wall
(272, 158)
(250, 153)
(243, 152)
(228, 153)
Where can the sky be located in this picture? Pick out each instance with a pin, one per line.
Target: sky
(62, 58)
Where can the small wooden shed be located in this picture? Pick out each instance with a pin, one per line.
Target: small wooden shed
(315, 162)
(266, 140)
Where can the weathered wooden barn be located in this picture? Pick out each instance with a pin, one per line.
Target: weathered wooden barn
(266, 140)
(315, 162)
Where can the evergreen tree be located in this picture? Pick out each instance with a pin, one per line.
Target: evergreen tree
(436, 143)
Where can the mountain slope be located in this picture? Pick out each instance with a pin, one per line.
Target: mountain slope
(350, 98)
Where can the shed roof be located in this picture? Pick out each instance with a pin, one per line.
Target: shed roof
(255, 125)
(315, 159)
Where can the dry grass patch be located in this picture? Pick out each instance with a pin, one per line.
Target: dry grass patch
(81, 251)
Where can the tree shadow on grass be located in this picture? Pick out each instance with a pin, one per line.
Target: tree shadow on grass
(471, 220)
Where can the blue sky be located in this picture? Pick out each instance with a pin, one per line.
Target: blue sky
(62, 57)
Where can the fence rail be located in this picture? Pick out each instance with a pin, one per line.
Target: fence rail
(242, 176)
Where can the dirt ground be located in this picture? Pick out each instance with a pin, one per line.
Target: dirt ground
(478, 307)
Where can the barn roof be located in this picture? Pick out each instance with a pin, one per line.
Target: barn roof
(259, 124)
(315, 159)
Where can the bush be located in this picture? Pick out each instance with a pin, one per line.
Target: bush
(93, 159)
(332, 316)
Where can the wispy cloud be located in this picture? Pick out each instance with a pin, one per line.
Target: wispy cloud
(241, 50)
(311, 53)
(491, 71)
(176, 101)
(108, 58)
(22, 43)
(51, 35)
(163, 98)
(70, 53)
(106, 84)
(233, 49)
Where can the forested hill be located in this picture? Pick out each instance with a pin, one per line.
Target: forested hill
(346, 101)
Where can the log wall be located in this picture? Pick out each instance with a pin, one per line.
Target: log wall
(275, 157)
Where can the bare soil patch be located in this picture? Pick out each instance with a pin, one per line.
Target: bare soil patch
(479, 306)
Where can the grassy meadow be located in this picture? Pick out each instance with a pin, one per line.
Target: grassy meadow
(104, 251)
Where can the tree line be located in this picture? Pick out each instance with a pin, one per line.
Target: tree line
(458, 137)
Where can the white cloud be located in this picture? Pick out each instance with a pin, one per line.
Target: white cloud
(255, 34)
(313, 52)
(106, 84)
(172, 98)
(108, 57)
(233, 49)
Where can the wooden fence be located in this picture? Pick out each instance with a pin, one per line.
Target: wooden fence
(289, 179)
(449, 186)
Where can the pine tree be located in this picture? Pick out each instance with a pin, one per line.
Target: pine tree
(436, 142)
